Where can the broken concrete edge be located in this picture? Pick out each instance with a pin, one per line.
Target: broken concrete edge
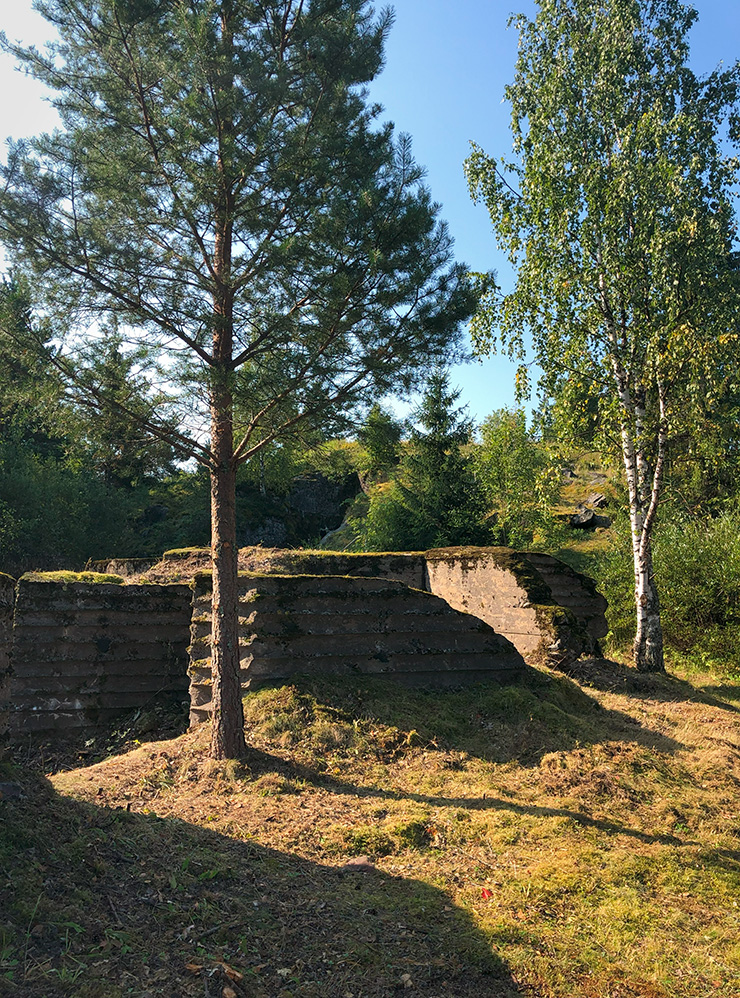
(286, 556)
(507, 559)
(121, 566)
(207, 573)
(179, 553)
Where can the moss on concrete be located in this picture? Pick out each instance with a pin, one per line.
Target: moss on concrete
(97, 578)
(561, 627)
(556, 566)
(175, 554)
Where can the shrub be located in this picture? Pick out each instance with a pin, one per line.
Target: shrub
(520, 477)
(698, 572)
(697, 566)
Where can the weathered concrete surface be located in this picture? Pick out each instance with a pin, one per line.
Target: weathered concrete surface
(574, 591)
(406, 567)
(550, 612)
(84, 653)
(7, 602)
(329, 625)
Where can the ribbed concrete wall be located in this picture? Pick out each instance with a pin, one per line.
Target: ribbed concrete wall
(549, 611)
(326, 625)
(7, 601)
(83, 653)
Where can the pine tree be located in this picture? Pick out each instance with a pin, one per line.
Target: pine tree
(380, 435)
(435, 499)
(221, 189)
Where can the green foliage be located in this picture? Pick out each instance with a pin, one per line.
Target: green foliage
(615, 580)
(390, 524)
(435, 499)
(520, 477)
(277, 245)
(274, 468)
(619, 217)
(335, 459)
(72, 486)
(697, 563)
(56, 513)
(698, 566)
(624, 196)
(380, 435)
(113, 389)
(30, 391)
(176, 514)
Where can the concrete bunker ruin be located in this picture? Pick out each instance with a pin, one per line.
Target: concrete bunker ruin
(80, 653)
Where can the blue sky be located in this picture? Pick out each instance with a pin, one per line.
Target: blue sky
(447, 64)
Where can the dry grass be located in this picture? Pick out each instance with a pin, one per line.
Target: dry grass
(569, 836)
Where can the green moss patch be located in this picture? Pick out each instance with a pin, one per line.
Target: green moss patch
(90, 577)
(175, 554)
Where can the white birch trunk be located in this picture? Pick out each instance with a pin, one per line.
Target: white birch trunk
(644, 491)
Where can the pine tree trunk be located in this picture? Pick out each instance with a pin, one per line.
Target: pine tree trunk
(227, 734)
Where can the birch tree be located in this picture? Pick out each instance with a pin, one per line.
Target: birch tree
(221, 191)
(617, 213)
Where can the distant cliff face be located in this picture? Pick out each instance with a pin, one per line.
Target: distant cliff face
(314, 506)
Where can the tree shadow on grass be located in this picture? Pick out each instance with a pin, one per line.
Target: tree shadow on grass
(98, 902)
(727, 860)
(263, 762)
(612, 677)
(156, 721)
(722, 692)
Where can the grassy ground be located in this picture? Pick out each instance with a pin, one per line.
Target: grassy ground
(567, 836)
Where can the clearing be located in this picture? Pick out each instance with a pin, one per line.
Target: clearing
(566, 836)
